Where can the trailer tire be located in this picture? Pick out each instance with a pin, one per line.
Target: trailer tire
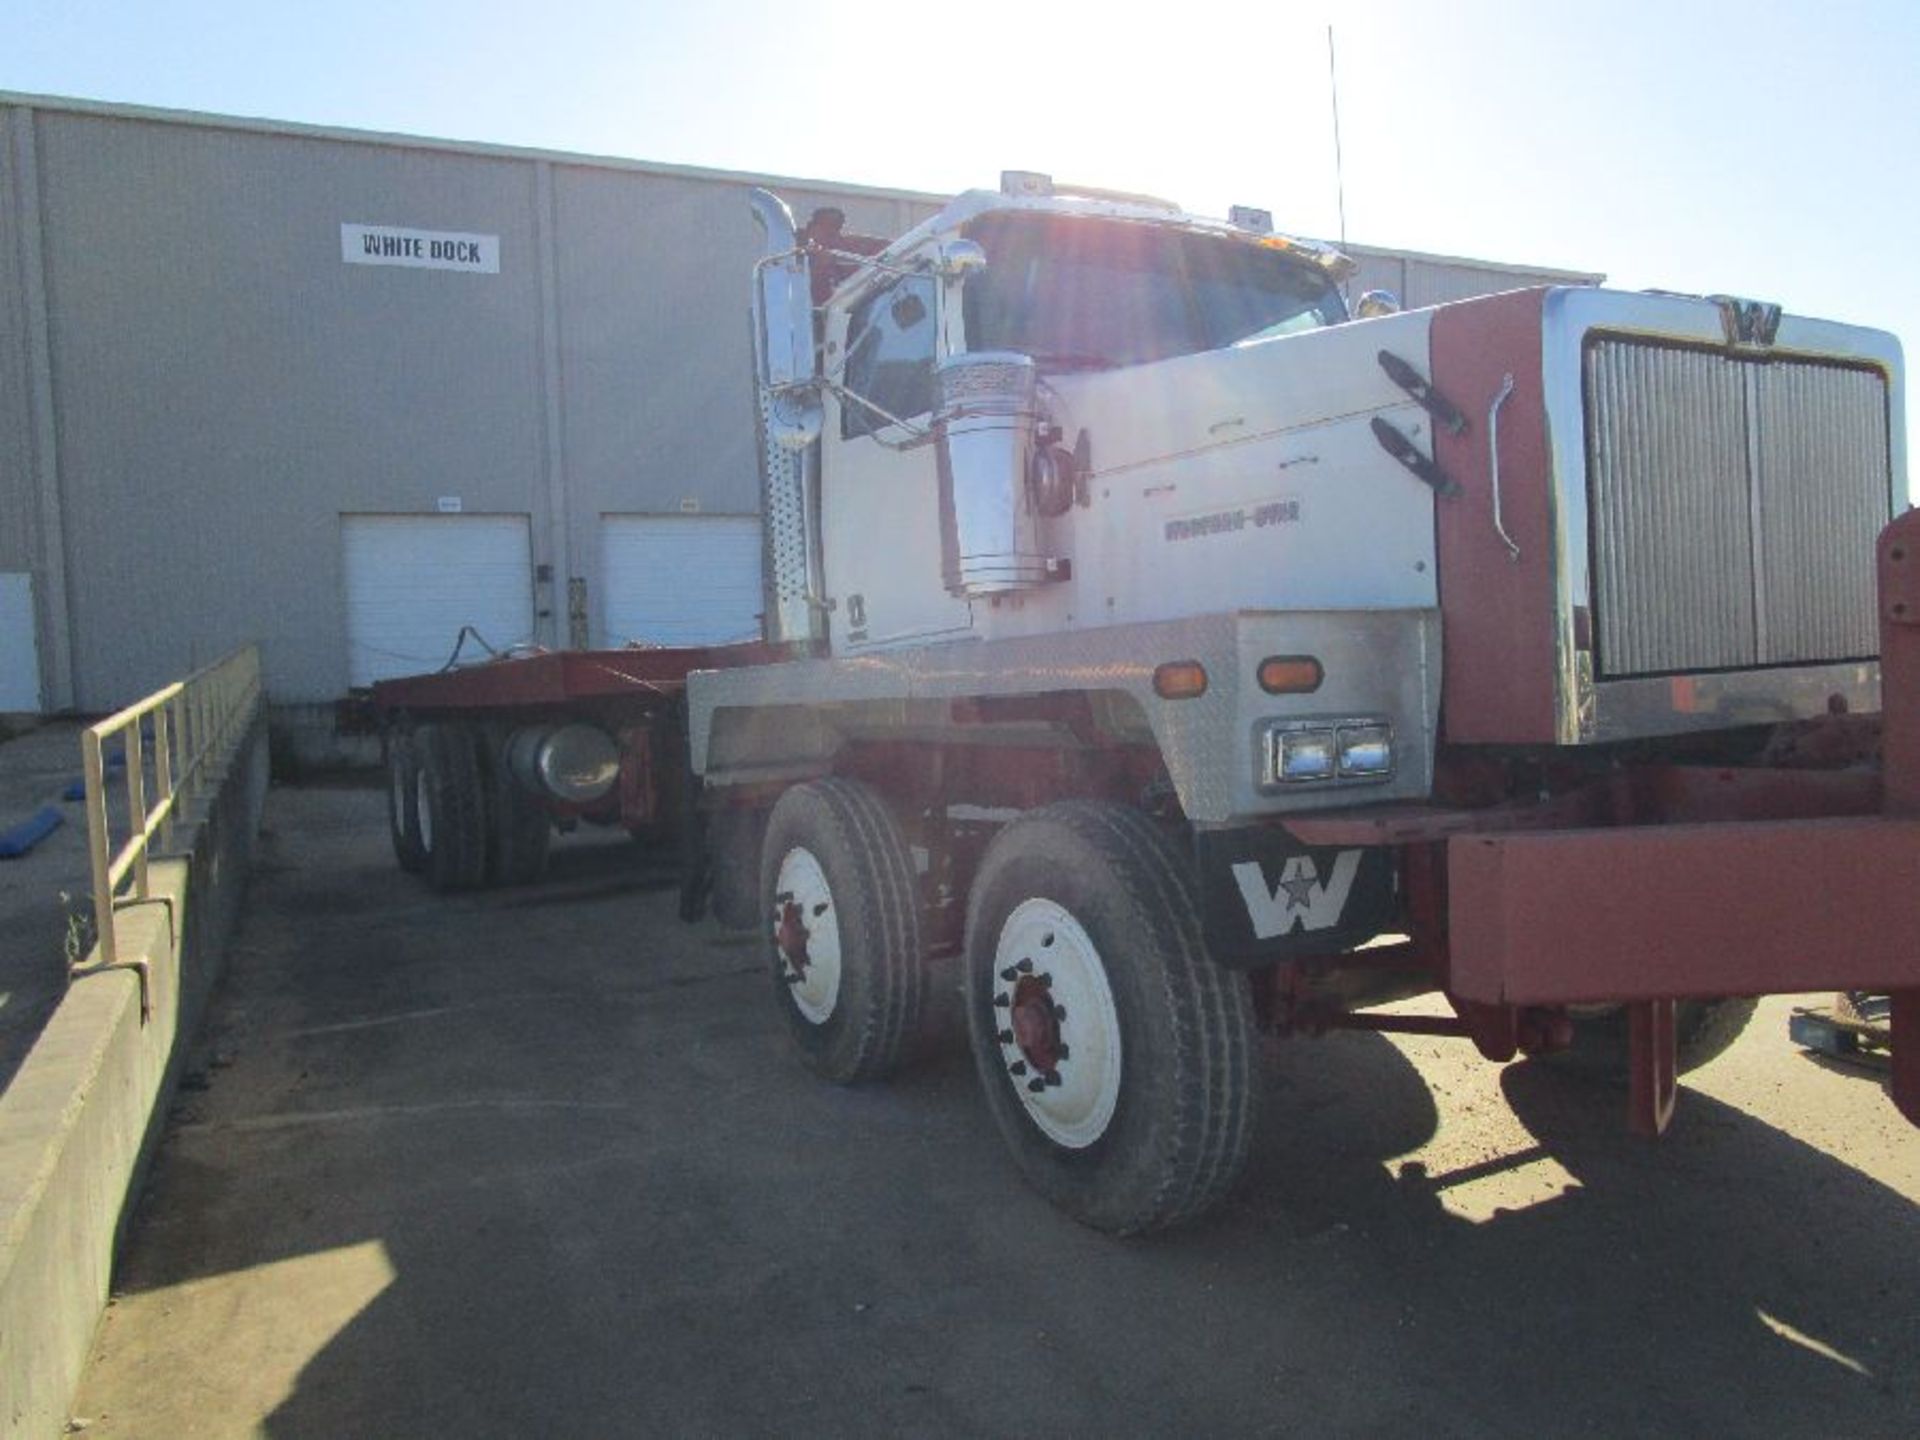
(519, 829)
(403, 802)
(1702, 1029)
(838, 892)
(451, 806)
(1086, 908)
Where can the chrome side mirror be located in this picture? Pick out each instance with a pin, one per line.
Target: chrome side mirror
(1375, 303)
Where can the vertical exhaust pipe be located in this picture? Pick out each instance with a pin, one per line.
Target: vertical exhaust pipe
(793, 613)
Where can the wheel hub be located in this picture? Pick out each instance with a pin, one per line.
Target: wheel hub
(806, 935)
(1056, 1023)
(791, 936)
(1036, 1028)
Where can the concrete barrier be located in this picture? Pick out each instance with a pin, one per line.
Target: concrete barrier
(80, 1119)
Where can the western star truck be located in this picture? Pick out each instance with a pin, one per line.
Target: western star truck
(1192, 654)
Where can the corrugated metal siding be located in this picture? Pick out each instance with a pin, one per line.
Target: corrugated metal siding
(1735, 505)
(227, 386)
(18, 501)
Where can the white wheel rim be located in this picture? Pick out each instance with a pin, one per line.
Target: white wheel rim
(1044, 956)
(423, 810)
(811, 968)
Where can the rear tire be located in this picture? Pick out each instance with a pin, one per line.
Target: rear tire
(520, 829)
(842, 906)
(403, 809)
(451, 807)
(1086, 908)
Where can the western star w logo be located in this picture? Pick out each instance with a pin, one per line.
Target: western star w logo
(1300, 901)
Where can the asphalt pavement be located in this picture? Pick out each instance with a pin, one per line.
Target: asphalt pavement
(540, 1162)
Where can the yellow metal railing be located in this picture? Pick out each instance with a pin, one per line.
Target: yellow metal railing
(190, 731)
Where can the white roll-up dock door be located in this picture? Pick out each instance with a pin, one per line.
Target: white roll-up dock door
(413, 582)
(679, 579)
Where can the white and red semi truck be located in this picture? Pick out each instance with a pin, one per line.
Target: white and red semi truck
(1192, 655)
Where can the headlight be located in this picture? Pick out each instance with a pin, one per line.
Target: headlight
(1303, 755)
(1366, 750)
(1301, 752)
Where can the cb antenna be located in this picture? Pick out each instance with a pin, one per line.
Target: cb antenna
(1339, 164)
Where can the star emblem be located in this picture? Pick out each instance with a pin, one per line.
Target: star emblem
(1298, 882)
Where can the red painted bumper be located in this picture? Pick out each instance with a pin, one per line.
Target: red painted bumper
(1685, 911)
(1652, 913)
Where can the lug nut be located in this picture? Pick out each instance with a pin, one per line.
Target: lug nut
(1036, 1085)
(1019, 1067)
(1052, 1078)
(1005, 1037)
(1060, 1012)
(1002, 1000)
(820, 909)
(1065, 1052)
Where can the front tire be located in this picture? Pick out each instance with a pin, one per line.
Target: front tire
(1117, 1059)
(842, 905)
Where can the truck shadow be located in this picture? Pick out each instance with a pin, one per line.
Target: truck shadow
(605, 1199)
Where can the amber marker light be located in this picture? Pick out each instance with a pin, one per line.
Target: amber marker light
(1290, 674)
(1180, 680)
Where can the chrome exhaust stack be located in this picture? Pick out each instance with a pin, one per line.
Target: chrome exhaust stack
(786, 381)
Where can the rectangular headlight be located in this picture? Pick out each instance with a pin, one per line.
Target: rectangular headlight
(1304, 755)
(1366, 750)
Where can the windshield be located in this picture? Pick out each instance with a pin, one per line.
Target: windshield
(1079, 293)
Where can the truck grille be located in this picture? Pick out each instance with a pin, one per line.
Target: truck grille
(1735, 503)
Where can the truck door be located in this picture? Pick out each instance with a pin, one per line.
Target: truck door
(880, 500)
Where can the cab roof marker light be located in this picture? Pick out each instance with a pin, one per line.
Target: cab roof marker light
(1025, 182)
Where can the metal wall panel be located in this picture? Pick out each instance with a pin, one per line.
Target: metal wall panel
(653, 288)
(18, 505)
(1423, 280)
(227, 386)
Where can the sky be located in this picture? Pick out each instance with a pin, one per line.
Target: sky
(1768, 149)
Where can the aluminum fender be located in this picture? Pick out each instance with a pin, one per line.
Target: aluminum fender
(759, 722)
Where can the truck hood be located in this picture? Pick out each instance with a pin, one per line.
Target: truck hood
(1149, 413)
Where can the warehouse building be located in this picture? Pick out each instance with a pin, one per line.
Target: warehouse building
(349, 394)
